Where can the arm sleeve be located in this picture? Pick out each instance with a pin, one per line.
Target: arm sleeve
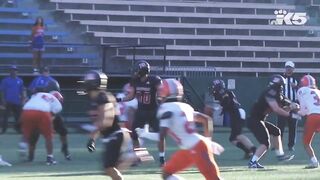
(164, 118)
(303, 108)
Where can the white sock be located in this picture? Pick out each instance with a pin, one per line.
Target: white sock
(50, 155)
(254, 158)
(314, 159)
(161, 154)
(279, 152)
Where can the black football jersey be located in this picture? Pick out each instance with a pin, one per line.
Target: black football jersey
(103, 98)
(261, 108)
(146, 92)
(228, 101)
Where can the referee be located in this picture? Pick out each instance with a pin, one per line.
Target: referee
(289, 91)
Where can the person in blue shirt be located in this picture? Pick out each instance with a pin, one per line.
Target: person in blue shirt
(42, 80)
(13, 97)
(51, 84)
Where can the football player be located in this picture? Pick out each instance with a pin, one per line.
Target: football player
(118, 151)
(36, 119)
(127, 109)
(270, 100)
(309, 99)
(178, 120)
(52, 84)
(231, 107)
(145, 88)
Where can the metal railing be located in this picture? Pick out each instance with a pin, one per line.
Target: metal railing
(120, 59)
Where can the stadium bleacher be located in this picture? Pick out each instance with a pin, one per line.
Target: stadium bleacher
(61, 55)
(202, 33)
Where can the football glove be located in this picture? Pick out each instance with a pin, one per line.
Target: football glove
(294, 106)
(294, 115)
(91, 145)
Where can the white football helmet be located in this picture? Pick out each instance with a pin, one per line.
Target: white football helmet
(308, 81)
(169, 89)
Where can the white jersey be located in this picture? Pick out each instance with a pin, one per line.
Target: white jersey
(178, 117)
(123, 107)
(45, 102)
(309, 99)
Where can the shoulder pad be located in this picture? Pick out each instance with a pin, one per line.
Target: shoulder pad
(272, 92)
(166, 115)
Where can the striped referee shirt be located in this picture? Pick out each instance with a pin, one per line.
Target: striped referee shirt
(288, 91)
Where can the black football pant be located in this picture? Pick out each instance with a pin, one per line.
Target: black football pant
(59, 125)
(143, 117)
(16, 110)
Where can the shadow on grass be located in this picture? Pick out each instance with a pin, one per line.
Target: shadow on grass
(231, 170)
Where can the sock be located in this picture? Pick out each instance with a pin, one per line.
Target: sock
(241, 146)
(161, 154)
(279, 152)
(314, 159)
(254, 158)
(50, 155)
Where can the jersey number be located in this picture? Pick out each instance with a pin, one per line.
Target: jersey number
(144, 98)
(316, 98)
(46, 98)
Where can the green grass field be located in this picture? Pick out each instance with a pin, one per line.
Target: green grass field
(85, 165)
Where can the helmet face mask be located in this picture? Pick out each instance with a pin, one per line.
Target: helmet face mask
(141, 68)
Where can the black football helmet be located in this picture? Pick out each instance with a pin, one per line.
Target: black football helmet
(53, 85)
(95, 80)
(277, 80)
(218, 86)
(141, 68)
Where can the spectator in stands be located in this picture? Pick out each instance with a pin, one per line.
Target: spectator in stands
(37, 43)
(51, 84)
(13, 97)
(290, 91)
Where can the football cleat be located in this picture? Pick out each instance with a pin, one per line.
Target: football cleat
(254, 165)
(285, 157)
(4, 163)
(65, 151)
(51, 161)
(312, 165)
